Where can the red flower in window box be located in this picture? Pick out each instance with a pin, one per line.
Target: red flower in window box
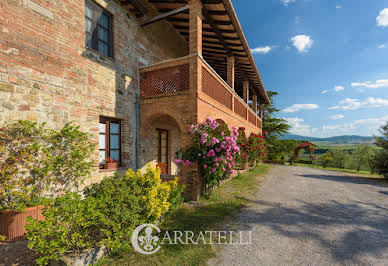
(110, 164)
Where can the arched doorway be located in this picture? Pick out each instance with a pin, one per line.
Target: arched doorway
(160, 140)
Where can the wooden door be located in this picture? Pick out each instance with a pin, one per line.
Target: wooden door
(163, 150)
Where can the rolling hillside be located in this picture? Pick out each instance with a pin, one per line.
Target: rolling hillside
(338, 140)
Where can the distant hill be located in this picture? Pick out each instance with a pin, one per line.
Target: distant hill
(339, 140)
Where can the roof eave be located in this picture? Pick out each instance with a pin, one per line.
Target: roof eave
(233, 16)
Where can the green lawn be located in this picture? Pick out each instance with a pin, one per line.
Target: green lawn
(360, 173)
(225, 202)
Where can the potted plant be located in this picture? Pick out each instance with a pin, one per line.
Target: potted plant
(110, 164)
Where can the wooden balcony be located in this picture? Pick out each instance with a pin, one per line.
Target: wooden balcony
(169, 82)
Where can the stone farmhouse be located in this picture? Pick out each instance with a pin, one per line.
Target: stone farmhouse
(135, 74)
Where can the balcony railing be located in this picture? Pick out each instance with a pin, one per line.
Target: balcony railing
(173, 77)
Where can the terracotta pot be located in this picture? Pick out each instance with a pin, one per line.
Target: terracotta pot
(12, 222)
(111, 165)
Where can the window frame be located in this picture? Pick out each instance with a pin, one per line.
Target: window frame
(107, 121)
(94, 34)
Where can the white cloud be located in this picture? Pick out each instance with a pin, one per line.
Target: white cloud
(372, 124)
(297, 107)
(338, 7)
(347, 104)
(339, 88)
(382, 83)
(381, 46)
(382, 19)
(261, 50)
(354, 104)
(302, 42)
(297, 126)
(286, 2)
(336, 117)
(324, 91)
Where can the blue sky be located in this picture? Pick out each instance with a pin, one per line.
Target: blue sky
(328, 59)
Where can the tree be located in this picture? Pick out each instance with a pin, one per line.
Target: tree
(339, 158)
(325, 160)
(361, 156)
(381, 156)
(274, 127)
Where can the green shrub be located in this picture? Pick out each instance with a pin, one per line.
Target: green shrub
(37, 159)
(380, 158)
(175, 198)
(106, 216)
(71, 225)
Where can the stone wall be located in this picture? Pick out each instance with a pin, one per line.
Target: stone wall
(48, 75)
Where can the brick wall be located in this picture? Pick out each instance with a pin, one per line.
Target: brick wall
(47, 74)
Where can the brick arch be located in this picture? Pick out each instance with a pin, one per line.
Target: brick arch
(149, 119)
(149, 140)
(222, 124)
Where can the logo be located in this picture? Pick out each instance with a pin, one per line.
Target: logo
(145, 240)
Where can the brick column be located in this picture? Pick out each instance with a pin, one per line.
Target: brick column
(190, 174)
(230, 71)
(195, 27)
(261, 110)
(195, 44)
(246, 91)
(246, 96)
(254, 103)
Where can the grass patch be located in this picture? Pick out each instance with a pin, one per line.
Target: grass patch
(360, 173)
(225, 201)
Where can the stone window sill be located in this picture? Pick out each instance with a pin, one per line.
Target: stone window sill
(97, 56)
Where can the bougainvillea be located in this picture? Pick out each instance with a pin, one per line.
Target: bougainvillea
(304, 146)
(214, 151)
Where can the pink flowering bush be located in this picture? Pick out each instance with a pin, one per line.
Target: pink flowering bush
(214, 151)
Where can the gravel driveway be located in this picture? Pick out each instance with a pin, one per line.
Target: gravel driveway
(305, 216)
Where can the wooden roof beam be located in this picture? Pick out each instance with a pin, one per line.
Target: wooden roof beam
(165, 15)
(137, 4)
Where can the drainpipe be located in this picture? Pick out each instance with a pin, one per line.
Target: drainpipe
(137, 106)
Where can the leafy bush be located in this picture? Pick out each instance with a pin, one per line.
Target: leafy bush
(257, 147)
(251, 149)
(213, 150)
(70, 225)
(380, 159)
(306, 146)
(325, 160)
(106, 216)
(175, 197)
(37, 159)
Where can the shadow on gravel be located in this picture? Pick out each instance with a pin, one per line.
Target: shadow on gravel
(345, 230)
(384, 192)
(351, 179)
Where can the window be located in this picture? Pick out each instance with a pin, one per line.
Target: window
(98, 29)
(109, 140)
